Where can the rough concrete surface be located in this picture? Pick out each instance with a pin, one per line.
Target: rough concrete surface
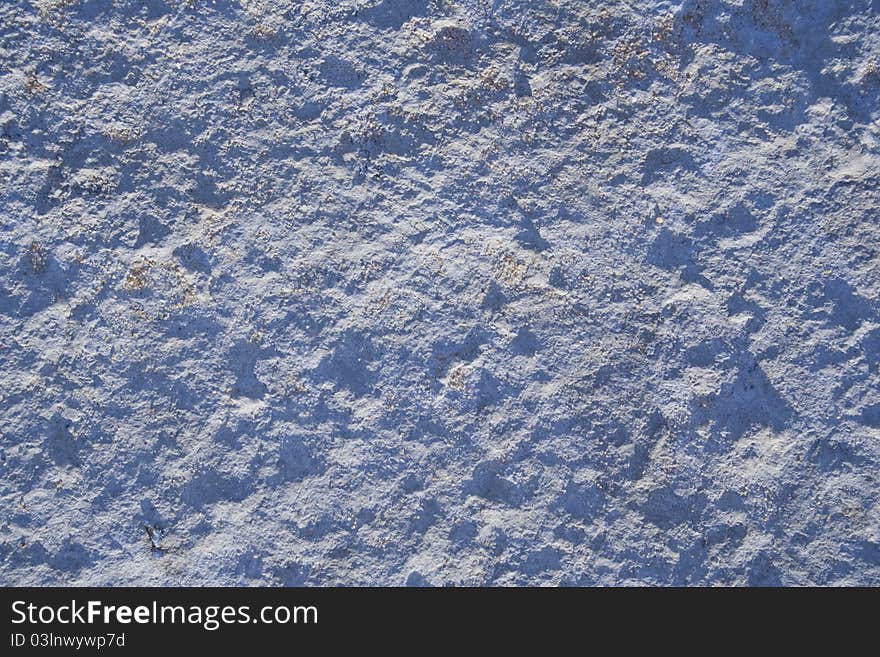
(488, 292)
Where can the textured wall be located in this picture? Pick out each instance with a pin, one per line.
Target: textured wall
(435, 292)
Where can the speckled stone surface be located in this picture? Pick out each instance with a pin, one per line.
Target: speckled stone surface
(434, 292)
